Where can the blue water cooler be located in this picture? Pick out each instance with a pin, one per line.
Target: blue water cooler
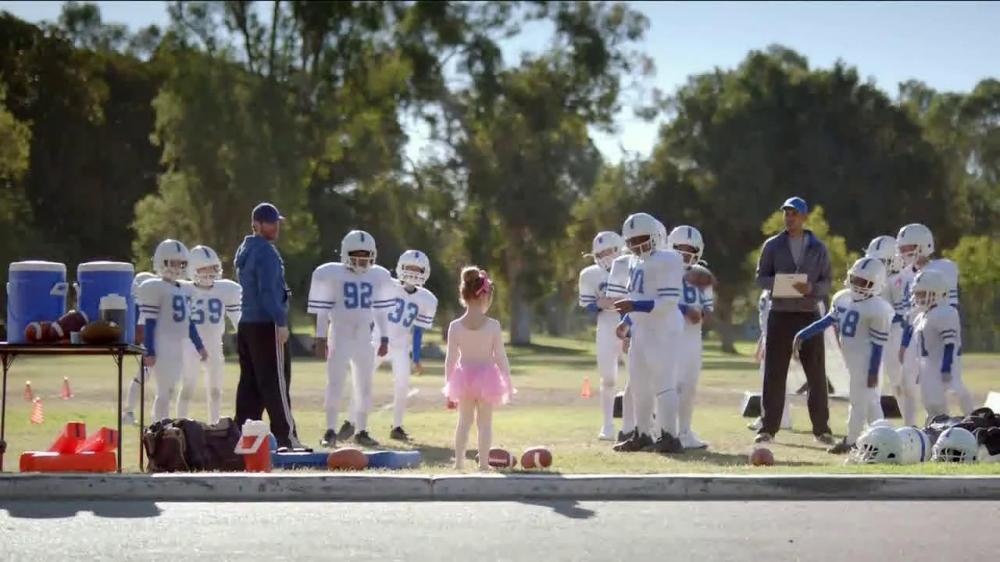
(36, 291)
(98, 279)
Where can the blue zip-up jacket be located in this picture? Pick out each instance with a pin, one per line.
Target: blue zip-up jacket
(261, 272)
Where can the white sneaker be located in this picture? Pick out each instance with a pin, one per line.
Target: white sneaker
(756, 424)
(128, 418)
(607, 434)
(690, 440)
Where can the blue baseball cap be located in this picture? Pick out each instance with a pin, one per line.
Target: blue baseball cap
(266, 212)
(797, 203)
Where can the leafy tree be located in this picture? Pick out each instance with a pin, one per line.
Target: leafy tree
(977, 258)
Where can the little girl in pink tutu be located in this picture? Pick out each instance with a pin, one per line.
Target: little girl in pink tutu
(477, 373)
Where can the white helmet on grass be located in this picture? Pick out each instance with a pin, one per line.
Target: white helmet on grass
(877, 445)
(916, 445)
(358, 241)
(170, 260)
(956, 444)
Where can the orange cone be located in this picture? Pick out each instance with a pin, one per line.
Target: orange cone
(28, 394)
(37, 414)
(66, 393)
(585, 391)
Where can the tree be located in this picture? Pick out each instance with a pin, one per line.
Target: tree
(977, 258)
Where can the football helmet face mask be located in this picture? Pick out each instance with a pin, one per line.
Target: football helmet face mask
(640, 232)
(204, 266)
(929, 288)
(955, 444)
(866, 278)
(606, 247)
(687, 241)
(170, 260)
(358, 251)
(413, 268)
(914, 241)
(879, 444)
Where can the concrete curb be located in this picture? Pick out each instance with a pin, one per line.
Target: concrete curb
(490, 487)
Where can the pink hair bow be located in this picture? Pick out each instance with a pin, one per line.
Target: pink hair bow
(487, 285)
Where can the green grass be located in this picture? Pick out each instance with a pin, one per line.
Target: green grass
(548, 410)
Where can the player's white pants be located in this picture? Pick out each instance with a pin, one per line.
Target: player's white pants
(933, 387)
(214, 368)
(167, 374)
(903, 382)
(609, 351)
(349, 347)
(399, 358)
(865, 403)
(653, 380)
(688, 372)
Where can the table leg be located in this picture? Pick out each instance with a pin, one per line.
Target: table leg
(3, 410)
(142, 411)
(119, 359)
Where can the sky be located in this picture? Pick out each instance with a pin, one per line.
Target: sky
(948, 45)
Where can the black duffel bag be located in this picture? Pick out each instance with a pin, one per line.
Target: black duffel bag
(184, 445)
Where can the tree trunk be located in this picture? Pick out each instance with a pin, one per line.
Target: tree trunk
(722, 320)
(520, 308)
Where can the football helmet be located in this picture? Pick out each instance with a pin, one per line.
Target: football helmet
(879, 444)
(686, 236)
(358, 241)
(884, 248)
(929, 288)
(640, 232)
(916, 445)
(866, 278)
(955, 444)
(413, 268)
(204, 266)
(607, 246)
(914, 241)
(170, 260)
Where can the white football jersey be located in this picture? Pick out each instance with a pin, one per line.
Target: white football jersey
(695, 297)
(616, 284)
(657, 277)
(210, 306)
(898, 289)
(593, 284)
(403, 310)
(347, 298)
(949, 270)
(169, 303)
(935, 328)
(861, 324)
(139, 279)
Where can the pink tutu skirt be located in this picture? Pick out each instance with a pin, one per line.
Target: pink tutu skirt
(483, 382)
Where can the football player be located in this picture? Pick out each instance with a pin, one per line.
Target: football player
(164, 303)
(617, 289)
(593, 284)
(863, 319)
(213, 299)
(128, 418)
(346, 294)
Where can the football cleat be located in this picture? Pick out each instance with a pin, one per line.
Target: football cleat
(398, 434)
(841, 448)
(329, 439)
(666, 444)
(365, 440)
(346, 431)
(636, 442)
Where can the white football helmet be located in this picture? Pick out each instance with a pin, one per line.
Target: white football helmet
(884, 248)
(955, 444)
(914, 241)
(866, 278)
(661, 235)
(170, 260)
(877, 445)
(413, 268)
(358, 241)
(204, 266)
(637, 226)
(607, 246)
(929, 288)
(916, 445)
(686, 236)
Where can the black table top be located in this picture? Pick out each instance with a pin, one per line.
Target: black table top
(7, 348)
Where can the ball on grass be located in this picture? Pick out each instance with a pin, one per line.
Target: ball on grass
(761, 456)
(347, 458)
(536, 457)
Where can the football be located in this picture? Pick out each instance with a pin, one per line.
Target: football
(347, 458)
(500, 458)
(72, 321)
(536, 457)
(101, 332)
(700, 276)
(39, 332)
(761, 456)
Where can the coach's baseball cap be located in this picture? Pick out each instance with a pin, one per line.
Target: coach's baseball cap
(797, 203)
(266, 212)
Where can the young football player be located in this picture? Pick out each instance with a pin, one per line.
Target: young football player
(128, 418)
(863, 319)
(617, 289)
(346, 294)
(164, 303)
(213, 299)
(593, 283)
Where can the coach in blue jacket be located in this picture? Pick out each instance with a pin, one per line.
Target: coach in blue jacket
(262, 336)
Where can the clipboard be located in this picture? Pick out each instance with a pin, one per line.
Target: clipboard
(784, 285)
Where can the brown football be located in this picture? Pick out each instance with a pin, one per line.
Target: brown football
(536, 457)
(72, 321)
(347, 458)
(39, 332)
(700, 276)
(500, 458)
(101, 332)
(761, 456)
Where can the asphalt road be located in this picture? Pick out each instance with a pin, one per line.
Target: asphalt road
(702, 531)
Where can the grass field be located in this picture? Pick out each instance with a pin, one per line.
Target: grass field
(548, 410)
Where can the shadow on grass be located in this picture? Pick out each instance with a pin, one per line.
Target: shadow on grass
(62, 509)
(547, 349)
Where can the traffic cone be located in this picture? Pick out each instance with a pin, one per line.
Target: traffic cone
(585, 391)
(37, 415)
(66, 393)
(28, 394)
